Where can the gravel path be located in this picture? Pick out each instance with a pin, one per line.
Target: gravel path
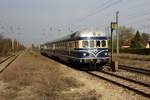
(35, 77)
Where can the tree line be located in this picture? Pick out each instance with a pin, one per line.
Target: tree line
(8, 46)
(133, 38)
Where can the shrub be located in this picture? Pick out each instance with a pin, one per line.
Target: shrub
(145, 51)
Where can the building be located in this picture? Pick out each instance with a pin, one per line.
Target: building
(126, 44)
(148, 44)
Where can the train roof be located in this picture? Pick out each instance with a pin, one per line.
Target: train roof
(88, 33)
(80, 34)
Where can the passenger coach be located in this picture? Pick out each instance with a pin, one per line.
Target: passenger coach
(87, 47)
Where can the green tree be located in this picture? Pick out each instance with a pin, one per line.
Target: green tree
(137, 41)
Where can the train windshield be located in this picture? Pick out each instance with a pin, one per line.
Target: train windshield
(85, 44)
(103, 43)
(98, 43)
(94, 43)
(88, 44)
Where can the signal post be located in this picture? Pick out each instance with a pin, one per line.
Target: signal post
(113, 64)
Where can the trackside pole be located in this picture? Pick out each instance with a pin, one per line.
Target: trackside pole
(113, 64)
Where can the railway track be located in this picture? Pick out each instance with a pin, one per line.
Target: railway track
(134, 85)
(135, 69)
(7, 61)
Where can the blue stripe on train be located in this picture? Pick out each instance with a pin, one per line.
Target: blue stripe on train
(91, 49)
(84, 53)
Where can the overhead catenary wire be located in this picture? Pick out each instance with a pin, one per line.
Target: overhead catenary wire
(99, 9)
(132, 18)
(90, 14)
(85, 17)
(104, 6)
(137, 25)
(137, 17)
(134, 14)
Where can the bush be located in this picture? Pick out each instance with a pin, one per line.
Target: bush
(145, 51)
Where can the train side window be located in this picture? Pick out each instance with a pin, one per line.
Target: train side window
(72, 45)
(85, 44)
(103, 43)
(66, 45)
(98, 43)
(76, 44)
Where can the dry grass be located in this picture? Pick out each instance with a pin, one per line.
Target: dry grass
(134, 60)
(34, 78)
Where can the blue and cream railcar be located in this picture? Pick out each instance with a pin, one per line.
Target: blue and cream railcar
(82, 47)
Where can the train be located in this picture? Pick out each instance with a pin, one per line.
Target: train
(81, 48)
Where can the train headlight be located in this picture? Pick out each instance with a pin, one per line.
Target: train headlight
(106, 53)
(84, 54)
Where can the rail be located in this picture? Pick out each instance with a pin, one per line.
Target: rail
(6, 58)
(135, 69)
(7, 61)
(132, 87)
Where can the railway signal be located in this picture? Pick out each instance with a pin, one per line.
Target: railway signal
(114, 64)
(114, 26)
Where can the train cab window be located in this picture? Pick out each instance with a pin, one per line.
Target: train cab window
(103, 43)
(92, 43)
(97, 43)
(85, 44)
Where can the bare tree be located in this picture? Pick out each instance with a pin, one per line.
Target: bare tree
(125, 35)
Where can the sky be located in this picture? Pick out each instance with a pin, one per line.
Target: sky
(39, 21)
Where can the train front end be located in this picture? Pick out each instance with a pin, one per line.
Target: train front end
(93, 49)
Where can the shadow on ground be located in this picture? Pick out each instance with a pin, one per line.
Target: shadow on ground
(71, 65)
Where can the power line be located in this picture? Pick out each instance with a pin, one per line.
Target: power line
(105, 3)
(103, 7)
(137, 17)
(90, 14)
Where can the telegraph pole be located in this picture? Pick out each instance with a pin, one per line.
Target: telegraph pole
(114, 64)
(114, 26)
(117, 33)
